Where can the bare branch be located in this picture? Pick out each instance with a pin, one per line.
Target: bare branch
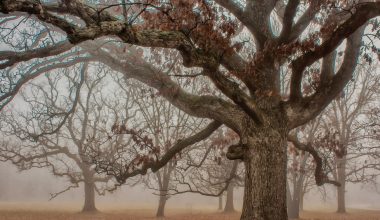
(12, 57)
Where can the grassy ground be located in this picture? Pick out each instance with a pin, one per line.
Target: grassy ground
(35, 212)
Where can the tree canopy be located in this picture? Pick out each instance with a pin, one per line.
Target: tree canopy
(276, 64)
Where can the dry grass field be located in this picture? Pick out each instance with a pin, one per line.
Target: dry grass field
(38, 212)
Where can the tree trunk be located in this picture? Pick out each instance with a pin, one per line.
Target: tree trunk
(293, 210)
(301, 200)
(265, 161)
(294, 206)
(220, 207)
(163, 194)
(341, 191)
(230, 199)
(288, 195)
(89, 197)
(161, 205)
(295, 203)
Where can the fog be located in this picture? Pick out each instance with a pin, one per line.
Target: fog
(34, 187)
(241, 109)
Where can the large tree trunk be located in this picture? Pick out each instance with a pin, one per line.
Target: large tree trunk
(89, 196)
(230, 199)
(341, 191)
(265, 160)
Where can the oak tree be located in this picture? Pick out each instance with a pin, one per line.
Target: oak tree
(234, 44)
(29, 143)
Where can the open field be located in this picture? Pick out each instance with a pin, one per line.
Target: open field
(35, 212)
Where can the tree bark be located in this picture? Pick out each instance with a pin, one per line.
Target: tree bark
(89, 197)
(230, 199)
(265, 160)
(341, 191)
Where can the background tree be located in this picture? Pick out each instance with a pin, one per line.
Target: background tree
(344, 130)
(223, 140)
(338, 133)
(252, 105)
(63, 152)
(164, 124)
(370, 149)
(300, 167)
(214, 174)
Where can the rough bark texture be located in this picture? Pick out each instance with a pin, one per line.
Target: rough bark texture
(230, 199)
(265, 183)
(341, 191)
(89, 197)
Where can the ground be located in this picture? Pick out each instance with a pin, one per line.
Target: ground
(35, 212)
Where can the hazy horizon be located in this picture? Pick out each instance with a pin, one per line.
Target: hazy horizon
(34, 186)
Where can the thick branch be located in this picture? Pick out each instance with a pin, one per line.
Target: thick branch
(35, 8)
(232, 90)
(290, 12)
(304, 20)
(182, 144)
(199, 106)
(12, 57)
(258, 20)
(320, 177)
(331, 86)
(363, 13)
(104, 166)
(107, 25)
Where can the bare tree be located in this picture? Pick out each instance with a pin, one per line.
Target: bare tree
(223, 140)
(340, 133)
(214, 174)
(342, 122)
(299, 168)
(302, 165)
(64, 151)
(370, 151)
(205, 38)
(165, 124)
